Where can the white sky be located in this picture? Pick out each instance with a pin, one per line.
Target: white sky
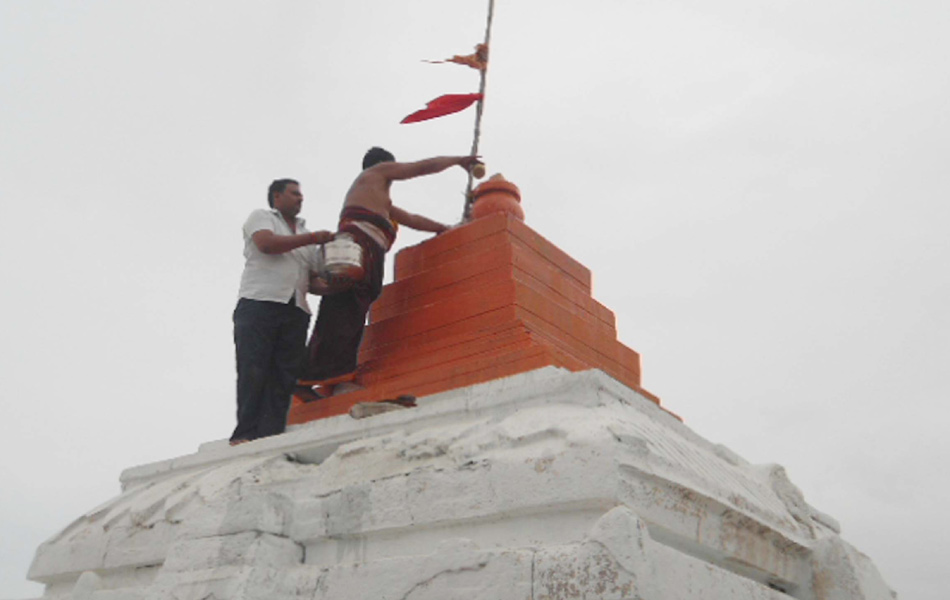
(760, 189)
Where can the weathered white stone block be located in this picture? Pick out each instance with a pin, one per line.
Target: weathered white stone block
(612, 564)
(448, 494)
(454, 570)
(544, 486)
(249, 548)
(841, 572)
(57, 560)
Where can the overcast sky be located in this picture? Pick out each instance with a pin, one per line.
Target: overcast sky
(759, 187)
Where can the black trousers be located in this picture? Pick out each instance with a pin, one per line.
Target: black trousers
(270, 347)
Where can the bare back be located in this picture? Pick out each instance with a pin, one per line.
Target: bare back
(370, 190)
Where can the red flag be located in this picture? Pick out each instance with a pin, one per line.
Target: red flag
(443, 105)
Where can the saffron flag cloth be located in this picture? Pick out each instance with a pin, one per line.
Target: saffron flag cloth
(478, 60)
(443, 105)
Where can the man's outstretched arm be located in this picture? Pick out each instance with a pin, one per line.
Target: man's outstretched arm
(417, 222)
(429, 166)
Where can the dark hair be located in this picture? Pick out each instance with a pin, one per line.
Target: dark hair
(376, 155)
(277, 186)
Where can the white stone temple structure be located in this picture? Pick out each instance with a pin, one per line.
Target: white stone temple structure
(534, 467)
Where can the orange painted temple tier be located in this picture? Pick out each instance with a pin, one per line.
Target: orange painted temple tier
(486, 300)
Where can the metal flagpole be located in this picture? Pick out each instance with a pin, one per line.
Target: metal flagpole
(478, 108)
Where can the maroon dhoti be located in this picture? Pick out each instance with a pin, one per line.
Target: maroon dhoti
(335, 341)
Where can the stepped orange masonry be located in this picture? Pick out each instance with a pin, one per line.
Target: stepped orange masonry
(485, 300)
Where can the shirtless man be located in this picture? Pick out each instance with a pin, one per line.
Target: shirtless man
(370, 217)
(370, 190)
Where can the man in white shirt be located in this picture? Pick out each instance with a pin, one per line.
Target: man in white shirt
(272, 314)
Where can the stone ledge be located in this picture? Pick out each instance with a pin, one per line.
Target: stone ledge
(312, 442)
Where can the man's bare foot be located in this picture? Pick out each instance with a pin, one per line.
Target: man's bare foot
(307, 393)
(238, 442)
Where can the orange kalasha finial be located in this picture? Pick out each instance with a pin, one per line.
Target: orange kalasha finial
(497, 194)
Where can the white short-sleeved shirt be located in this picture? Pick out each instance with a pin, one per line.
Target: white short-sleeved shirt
(277, 277)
